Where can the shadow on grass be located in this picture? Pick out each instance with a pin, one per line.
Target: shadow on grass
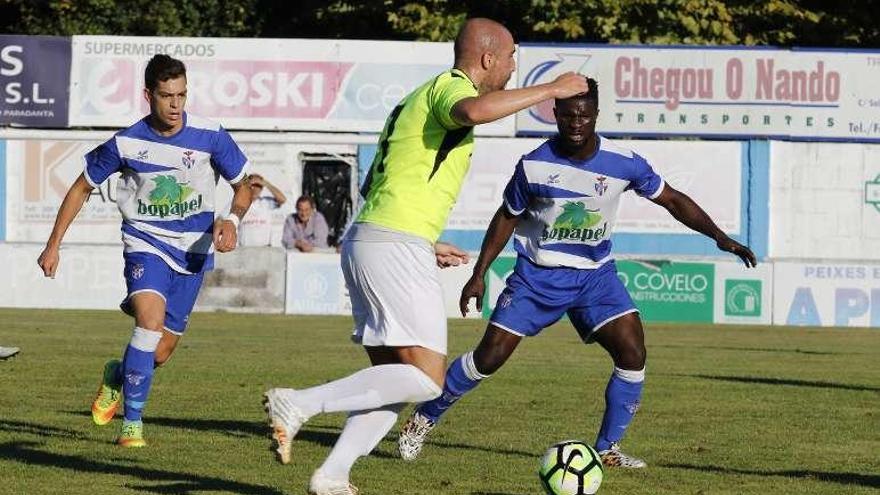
(318, 434)
(184, 483)
(229, 427)
(752, 349)
(870, 480)
(784, 381)
(475, 448)
(321, 435)
(24, 427)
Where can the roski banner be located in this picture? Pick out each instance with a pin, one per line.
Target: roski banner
(715, 92)
(310, 85)
(34, 79)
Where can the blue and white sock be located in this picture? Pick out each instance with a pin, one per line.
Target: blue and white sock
(461, 377)
(137, 371)
(622, 399)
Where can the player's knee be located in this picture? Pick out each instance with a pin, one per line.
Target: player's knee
(427, 386)
(632, 356)
(489, 361)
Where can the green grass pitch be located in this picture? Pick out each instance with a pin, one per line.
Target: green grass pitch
(726, 410)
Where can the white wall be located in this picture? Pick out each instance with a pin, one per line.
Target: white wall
(88, 277)
(818, 205)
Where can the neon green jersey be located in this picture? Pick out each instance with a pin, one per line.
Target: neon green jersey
(422, 159)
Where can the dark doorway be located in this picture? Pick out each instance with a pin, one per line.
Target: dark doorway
(327, 178)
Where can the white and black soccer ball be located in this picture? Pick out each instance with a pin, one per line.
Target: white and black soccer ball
(571, 468)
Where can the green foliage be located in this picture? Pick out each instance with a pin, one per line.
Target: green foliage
(134, 17)
(426, 20)
(692, 22)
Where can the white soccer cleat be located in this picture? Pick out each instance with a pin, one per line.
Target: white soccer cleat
(613, 457)
(8, 352)
(285, 419)
(321, 485)
(413, 434)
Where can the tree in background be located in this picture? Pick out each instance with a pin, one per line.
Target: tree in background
(228, 18)
(693, 22)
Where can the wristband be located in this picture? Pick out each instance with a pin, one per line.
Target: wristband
(232, 217)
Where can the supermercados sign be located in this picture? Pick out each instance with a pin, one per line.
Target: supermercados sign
(715, 92)
(260, 84)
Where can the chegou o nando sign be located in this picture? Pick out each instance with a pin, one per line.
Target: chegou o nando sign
(712, 92)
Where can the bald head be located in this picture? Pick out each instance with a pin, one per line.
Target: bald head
(484, 50)
(478, 36)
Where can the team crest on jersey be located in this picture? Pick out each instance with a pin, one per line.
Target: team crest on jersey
(553, 179)
(188, 160)
(600, 186)
(137, 271)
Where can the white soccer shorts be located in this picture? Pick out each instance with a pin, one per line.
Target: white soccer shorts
(396, 296)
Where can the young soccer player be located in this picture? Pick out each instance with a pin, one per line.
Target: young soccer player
(562, 203)
(169, 162)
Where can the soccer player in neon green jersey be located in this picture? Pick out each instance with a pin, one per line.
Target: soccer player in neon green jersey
(390, 254)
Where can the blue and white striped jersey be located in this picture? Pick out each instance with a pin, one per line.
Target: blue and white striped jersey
(569, 206)
(167, 185)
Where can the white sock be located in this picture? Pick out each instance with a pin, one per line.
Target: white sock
(363, 431)
(369, 388)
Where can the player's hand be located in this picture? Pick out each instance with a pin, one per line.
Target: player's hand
(569, 84)
(48, 261)
(473, 289)
(449, 255)
(744, 253)
(225, 235)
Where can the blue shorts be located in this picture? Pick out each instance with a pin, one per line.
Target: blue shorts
(148, 272)
(536, 297)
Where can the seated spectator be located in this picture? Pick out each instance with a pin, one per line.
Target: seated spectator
(306, 229)
(256, 226)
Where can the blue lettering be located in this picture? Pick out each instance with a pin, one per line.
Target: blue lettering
(803, 309)
(848, 304)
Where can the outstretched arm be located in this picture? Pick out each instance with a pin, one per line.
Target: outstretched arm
(499, 104)
(500, 229)
(73, 201)
(686, 211)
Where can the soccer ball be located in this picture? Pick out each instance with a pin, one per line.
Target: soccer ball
(571, 468)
